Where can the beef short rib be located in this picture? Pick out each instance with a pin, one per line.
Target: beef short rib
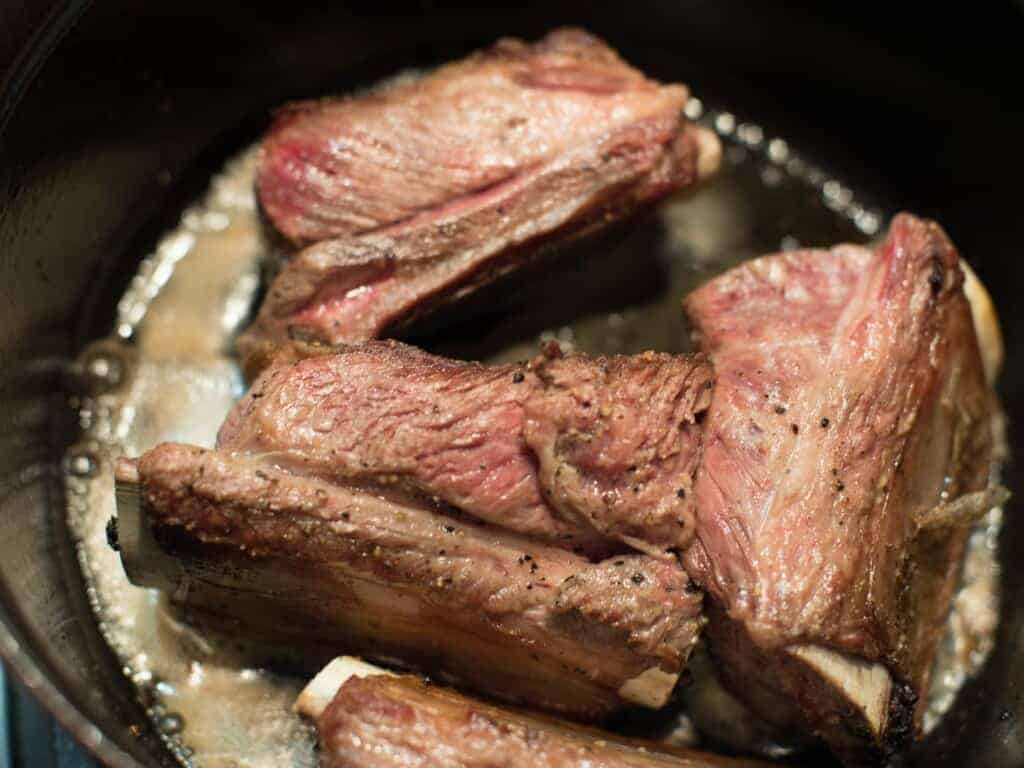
(368, 718)
(430, 187)
(585, 452)
(850, 402)
(421, 147)
(240, 544)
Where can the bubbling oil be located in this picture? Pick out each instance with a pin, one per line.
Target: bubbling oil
(167, 373)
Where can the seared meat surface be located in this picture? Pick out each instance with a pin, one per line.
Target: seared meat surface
(580, 451)
(850, 401)
(434, 185)
(386, 721)
(300, 561)
(421, 147)
(617, 442)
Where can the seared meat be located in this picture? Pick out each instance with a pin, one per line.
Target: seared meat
(618, 444)
(422, 147)
(301, 562)
(849, 402)
(846, 444)
(576, 450)
(635, 595)
(367, 718)
(428, 186)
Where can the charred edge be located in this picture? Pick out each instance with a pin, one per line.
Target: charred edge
(899, 733)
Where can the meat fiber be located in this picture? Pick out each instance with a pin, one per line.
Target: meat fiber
(429, 187)
(304, 564)
(582, 451)
(850, 401)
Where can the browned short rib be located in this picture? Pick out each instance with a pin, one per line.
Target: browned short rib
(850, 401)
(269, 555)
(368, 718)
(423, 189)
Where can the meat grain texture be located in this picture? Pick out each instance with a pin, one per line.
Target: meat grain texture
(588, 452)
(849, 401)
(429, 187)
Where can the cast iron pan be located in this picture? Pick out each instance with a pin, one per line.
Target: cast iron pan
(113, 117)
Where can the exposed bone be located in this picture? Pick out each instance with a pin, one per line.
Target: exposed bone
(651, 688)
(145, 563)
(986, 323)
(321, 689)
(865, 686)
